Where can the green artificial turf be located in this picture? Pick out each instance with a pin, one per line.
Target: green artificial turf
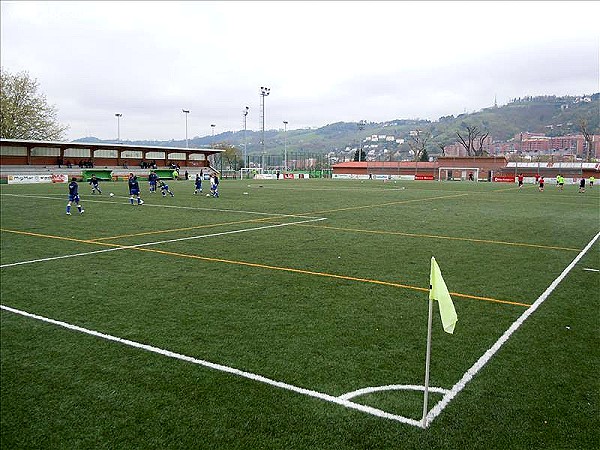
(319, 284)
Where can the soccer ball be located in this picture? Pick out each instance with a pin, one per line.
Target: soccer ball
(208, 195)
(111, 194)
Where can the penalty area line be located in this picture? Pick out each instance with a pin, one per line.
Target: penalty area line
(485, 358)
(230, 370)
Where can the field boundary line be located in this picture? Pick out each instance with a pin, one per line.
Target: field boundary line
(433, 236)
(487, 356)
(222, 368)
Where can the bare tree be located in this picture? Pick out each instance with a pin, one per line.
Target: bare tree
(442, 148)
(473, 140)
(417, 142)
(468, 140)
(481, 141)
(589, 140)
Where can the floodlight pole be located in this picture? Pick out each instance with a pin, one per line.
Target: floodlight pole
(118, 116)
(361, 127)
(186, 111)
(212, 142)
(264, 91)
(285, 123)
(245, 113)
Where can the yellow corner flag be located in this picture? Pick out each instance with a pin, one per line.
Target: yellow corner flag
(438, 291)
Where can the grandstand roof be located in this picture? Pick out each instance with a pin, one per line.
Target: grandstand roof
(103, 146)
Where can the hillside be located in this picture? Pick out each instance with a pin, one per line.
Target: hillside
(554, 116)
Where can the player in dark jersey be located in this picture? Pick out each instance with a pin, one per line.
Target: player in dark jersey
(198, 183)
(164, 189)
(74, 196)
(95, 183)
(152, 180)
(134, 189)
(214, 185)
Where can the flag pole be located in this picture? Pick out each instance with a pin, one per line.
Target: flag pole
(427, 358)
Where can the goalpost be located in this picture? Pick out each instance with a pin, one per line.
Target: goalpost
(249, 172)
(458, 173)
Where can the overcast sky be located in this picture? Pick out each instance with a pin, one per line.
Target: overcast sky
(324, 62)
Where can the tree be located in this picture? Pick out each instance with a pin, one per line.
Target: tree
(467, 140)
(473, 140)
(481, 141)
(589, 140)
(417, 143)
(231, 155)
(24, 112)
(363, 155)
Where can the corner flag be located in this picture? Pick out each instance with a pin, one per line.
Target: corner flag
(439, 291)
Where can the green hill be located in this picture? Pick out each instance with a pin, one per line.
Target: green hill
(551, 115)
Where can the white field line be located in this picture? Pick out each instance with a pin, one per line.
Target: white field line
(591, 270)
(148, 244)
(194, 208)
(222, 368)
(391, 387)
(343, 399)
(481, 362)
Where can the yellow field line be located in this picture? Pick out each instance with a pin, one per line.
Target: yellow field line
(433, 236)
(265, 266)
(184, 229)
(329, 275)
(60, 238)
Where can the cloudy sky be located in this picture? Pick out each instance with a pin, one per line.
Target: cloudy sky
(324, 62)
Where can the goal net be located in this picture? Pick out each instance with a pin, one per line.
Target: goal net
(249, 172)
(458, 173)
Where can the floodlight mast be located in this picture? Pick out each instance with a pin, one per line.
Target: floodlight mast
(264, 91)
(186, 111)
(212, 142)
(245, 113)
(118, 116)
(361, 127)
(285, 124)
